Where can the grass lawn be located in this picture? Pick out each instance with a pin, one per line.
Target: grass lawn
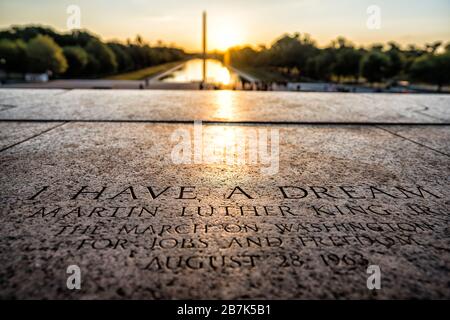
(144, 73)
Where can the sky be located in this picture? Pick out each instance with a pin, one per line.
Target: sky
(238, 22)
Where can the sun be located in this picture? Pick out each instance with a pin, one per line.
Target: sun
(226, 36)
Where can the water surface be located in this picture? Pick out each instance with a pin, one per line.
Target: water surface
(192, 71)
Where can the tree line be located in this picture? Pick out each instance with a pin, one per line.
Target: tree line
(297, 57)
(37, 49)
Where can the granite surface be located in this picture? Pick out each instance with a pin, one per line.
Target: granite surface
(12, 133)
(223, 106)
(111, 198)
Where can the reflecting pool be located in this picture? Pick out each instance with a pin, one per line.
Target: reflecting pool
(192, 71)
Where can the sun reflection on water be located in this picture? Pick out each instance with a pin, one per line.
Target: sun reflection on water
(192, 71)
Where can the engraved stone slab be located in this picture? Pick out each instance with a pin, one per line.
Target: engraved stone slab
(255, 106)
(109, 198)
(12, 133)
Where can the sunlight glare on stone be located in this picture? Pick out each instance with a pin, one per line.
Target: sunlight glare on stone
(220, 142)
(225, 107)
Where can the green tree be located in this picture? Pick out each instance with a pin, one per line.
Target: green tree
(347, 63)
(124, 61)
(45, 55)
(433, 47)
(374, 66)
(410, 55)
(244, 56)
(77, 59)
(292, 51)
(321, 66)
(432, 68)
(101, 58)
(105, 57)
(12, 55)
(396, 60)
(92, 68)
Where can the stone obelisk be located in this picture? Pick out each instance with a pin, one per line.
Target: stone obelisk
(204, 47)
